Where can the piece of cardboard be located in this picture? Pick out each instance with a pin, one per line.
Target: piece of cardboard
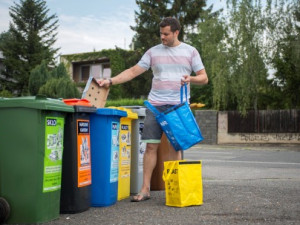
(94, 93)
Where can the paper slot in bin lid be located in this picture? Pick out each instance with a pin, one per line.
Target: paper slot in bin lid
(111, 112)
(76, 101)
(94, 93)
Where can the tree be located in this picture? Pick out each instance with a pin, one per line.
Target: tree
(60, 88)
(245, 73)
(32, 34)
(286, 56)
(60, 72)
(38, 77)
(54, 84)
(208, 39)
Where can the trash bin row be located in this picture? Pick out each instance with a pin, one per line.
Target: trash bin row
(65, 156)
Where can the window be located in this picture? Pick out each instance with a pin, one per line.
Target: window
(96, 71)
(85, 72)
(100, 70)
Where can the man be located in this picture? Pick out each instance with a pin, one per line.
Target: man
(172, 63)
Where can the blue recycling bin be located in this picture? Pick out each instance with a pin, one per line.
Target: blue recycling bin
(105, 123)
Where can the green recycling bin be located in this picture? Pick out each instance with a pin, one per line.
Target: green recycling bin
(31, 150)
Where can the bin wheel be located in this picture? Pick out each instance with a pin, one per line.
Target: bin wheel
(4, 210)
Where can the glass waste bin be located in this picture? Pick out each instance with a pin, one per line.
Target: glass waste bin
(105, 125)
(31, 150)
(125, 153)
(76, 170)
(137, 149)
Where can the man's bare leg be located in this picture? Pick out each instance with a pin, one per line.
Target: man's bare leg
(174, 155)
(150, 159)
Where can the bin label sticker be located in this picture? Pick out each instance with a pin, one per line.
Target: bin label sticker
(125, 134)
(124, 154)
(54, 131)
(142, 149)
(114, 172)
(83, 153)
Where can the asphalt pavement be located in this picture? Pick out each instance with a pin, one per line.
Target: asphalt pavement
(242, 184)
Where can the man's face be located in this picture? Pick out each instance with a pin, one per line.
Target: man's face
(168, 37)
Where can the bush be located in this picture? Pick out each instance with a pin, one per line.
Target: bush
(60, 88)
(125, 102)
(6, 94)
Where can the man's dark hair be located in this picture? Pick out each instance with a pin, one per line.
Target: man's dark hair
(172, 22)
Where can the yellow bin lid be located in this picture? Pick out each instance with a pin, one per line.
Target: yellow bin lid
(130, 114)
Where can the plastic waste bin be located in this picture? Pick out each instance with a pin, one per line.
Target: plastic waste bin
(105, 125)
(31, 149)
(137, 149)
(125, 153)
(76, 168)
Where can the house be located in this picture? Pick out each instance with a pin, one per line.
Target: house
(82, 66)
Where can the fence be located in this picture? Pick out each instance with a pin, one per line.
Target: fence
(265, 121)
(264, 126)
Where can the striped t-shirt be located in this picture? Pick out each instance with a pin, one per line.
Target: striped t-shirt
(168, 65)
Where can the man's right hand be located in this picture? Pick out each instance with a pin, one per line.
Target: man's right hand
(103, 83)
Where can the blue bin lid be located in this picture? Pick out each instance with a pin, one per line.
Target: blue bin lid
(111, 112)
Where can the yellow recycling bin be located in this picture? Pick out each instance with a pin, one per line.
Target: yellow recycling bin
(125, 153)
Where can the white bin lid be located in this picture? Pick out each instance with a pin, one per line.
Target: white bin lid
(140, 110)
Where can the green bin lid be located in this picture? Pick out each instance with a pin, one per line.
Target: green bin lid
(111, 112)
(36, 102)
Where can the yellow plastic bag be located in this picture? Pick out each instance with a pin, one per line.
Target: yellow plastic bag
(183, 183)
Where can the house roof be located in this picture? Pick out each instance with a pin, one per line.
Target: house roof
(87, 57)
(91, 61)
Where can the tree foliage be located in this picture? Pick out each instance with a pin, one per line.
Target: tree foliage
(55, 83)
(247, 73)
(29, 41)
(151, 13)
(285, 58)
(208, 39)
(38, 77)
(60, 88)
